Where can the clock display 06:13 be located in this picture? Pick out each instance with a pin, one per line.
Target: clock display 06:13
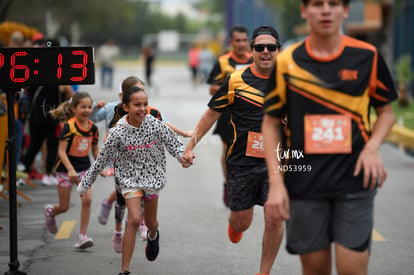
(40, 66)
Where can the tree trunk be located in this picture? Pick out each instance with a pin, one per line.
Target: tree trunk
(403, 101)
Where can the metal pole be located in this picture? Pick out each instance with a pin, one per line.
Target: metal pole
(11, 151)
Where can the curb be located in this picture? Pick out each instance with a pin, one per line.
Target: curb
(402, 137)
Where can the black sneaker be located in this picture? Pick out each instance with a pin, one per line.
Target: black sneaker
(124, 273)
(153, 247)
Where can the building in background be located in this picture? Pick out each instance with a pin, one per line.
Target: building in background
(249, 13)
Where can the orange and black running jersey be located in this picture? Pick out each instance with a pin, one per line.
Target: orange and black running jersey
(242, 93)
(120, 112)
(347, 84)
(80, 143)
(225, 65)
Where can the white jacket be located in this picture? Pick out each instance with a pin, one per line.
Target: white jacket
(140, 155)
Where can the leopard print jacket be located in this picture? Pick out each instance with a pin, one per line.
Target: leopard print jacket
(140, 155)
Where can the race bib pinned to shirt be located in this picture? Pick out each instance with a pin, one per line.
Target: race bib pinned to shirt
(80, 146)
(255, 145)
(328, 134)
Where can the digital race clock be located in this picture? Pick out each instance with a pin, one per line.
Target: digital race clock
(39, 66)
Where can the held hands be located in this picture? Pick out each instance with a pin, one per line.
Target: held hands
(187, 158)
(370, 162)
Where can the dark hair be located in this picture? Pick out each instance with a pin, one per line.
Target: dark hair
(64, 110)
(126, 97)
(237, 28)
(345, 2)
(129, 82)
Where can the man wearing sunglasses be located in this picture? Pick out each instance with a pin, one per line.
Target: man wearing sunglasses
(237, 58)
(246, 176)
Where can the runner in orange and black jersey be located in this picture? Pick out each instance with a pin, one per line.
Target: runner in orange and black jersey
(79, 143)
(245, 104)
(347, 84)
(226, 65)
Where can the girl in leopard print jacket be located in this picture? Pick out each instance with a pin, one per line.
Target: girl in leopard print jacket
(138, 141)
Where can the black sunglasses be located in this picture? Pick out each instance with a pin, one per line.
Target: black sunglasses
(270, 47)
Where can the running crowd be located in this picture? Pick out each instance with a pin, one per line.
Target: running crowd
(312, 98)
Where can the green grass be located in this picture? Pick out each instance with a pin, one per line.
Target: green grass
(404, 115)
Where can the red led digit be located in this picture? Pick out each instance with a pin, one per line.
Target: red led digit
(1, 60)
(59, 70)
(18, 67)
(80, 66)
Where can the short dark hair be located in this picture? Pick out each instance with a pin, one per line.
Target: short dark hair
(237, 28)
(345, 2)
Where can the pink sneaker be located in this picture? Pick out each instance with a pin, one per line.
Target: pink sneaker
(117, 242)
(143, 231)
(51, 223)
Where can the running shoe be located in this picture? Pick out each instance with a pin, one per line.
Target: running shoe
(49, 180)
(104, 211)
(51, 223)
(35, 175)
(225, 198)
(143, 231)
(153, 247)
(126, 272)
(84, 242)
(117, 242)
(234, 236)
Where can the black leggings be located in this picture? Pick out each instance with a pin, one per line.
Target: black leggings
(38, 133)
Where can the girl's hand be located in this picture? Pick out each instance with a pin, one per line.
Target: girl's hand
(104, 173)
(100, 104)
(73, 176)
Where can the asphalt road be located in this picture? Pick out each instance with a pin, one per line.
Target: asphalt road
(193, 219)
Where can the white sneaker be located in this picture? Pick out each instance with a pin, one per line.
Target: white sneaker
(84, 242)
(53, 179)
(143, 231)
(47, 180)
(117, 242)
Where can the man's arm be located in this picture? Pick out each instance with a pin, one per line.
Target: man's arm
(369, 159)
(213, 88)
(206, 122)
(277, 199)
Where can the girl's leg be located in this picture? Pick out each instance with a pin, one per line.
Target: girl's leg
(64, 201)
(105, 208)
(51, 211)
(85, 211)
(112, 197)
(128, 244)
(119, 211)
(119, 216)
(152, 249)
(151, 209)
